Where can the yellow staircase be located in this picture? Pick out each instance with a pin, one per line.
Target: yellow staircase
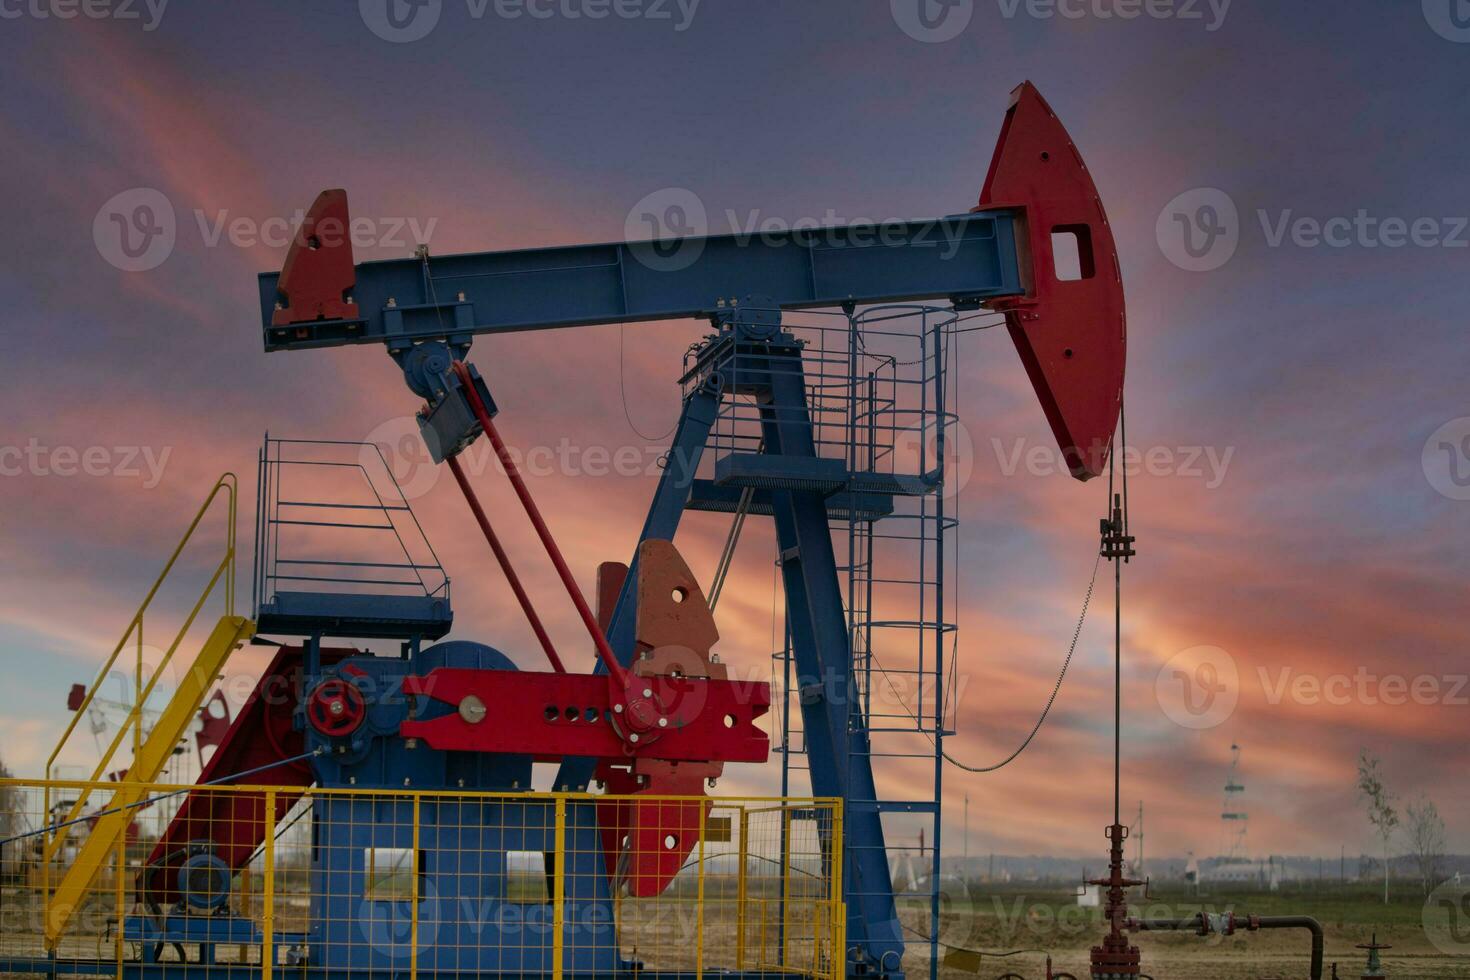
(152, 748)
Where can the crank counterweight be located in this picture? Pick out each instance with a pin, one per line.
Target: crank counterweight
(550, 716)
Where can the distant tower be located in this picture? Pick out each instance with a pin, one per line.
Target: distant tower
(1234, 821)
(1137, 835)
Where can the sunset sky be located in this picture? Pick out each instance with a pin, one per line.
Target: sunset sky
(1300, 409)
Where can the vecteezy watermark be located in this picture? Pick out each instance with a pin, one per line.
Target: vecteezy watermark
(144, 463)
(405, 21)
(1446, 459)
(937, 21)
(137, 230)
(1208, 464)
(149, 13)
(1450, 19)
(668, 227)
(932, 21)
(1200, 230)
(1198, 688)
(1446, 918)
(1210, 13)
(1363, 687)
(402, 447)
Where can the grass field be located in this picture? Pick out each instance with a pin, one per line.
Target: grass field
(1003, 918)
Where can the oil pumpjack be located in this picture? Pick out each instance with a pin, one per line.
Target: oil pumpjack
(657, 717)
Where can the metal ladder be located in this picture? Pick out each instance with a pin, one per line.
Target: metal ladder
(153, 748)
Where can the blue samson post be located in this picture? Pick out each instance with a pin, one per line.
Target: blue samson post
(1068, 329)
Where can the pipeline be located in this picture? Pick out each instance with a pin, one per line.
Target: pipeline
(1225, 924)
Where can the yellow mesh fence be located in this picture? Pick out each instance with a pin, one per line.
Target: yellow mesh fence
(412, 882)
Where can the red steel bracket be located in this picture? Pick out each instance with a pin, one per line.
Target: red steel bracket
(316, 281)
(1071, 334)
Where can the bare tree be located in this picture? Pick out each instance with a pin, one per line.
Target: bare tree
(1378, 801)
(1427, 838)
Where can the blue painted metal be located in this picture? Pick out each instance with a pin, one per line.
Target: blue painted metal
(319, 498)
(964, 258)
(466, 923)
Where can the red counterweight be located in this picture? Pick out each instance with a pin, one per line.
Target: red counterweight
(1071, 333)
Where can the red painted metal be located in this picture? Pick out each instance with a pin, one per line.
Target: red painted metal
(316, 281)
(336, 708)
(647, 841)
(552, 716)
(1071, 335)
(503, 559)
(616, 671)
(262, 733)
(1116, 956)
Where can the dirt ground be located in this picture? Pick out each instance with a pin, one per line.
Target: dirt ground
(1012, 917)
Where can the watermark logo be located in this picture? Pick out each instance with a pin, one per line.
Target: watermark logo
(932, 21)
(135, 230)
(405, 21)
(1446, 918)
(1211, 13)
(668, 228)
(400, 21)
(400, 442)
(148, 12)
(1207, 464)
(388, 926)
(1199, 230)
(35, 458)
(1363, 687)
(1198, 688)
(1446, 459)
(138, 229)
(917, 452)
(1450, 19)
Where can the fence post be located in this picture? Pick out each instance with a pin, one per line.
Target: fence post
(559, 890)
(413, 929)
(742, 890)
(122, 874)
(839, 906)
(268, 896)
(699, 902)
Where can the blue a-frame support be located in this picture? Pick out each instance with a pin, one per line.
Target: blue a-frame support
(772, 374)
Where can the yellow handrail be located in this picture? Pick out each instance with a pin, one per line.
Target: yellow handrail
(229, 484)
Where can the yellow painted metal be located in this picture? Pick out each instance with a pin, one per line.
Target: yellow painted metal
(786, 897)
(413, 928)
(121, 897)
(559, 891)
(699, 903)
(173, 723)
(268, 893)
(742, 890)
(733, 893)
(226, 485)
(838, 959)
